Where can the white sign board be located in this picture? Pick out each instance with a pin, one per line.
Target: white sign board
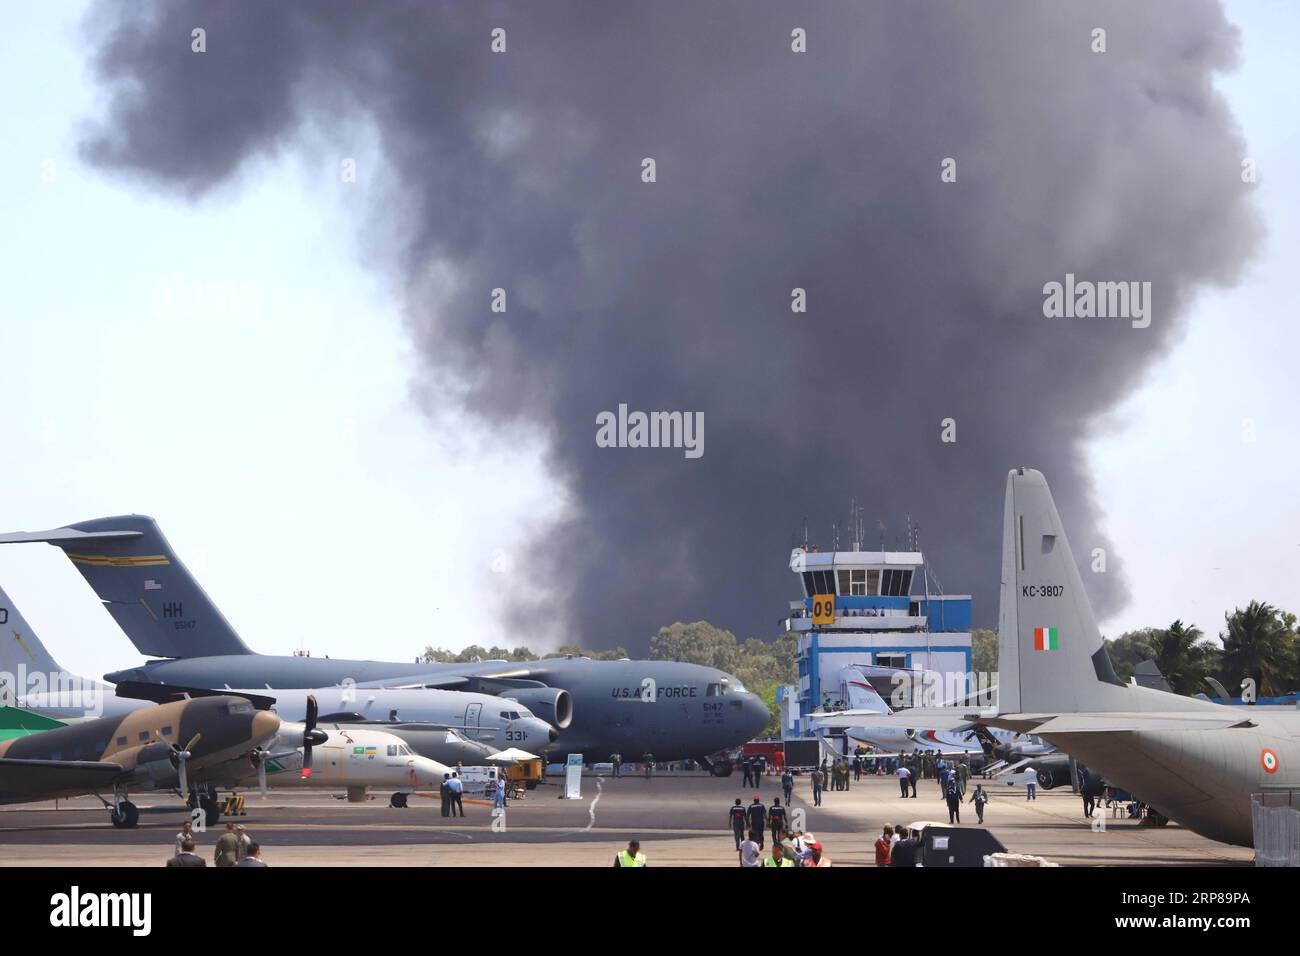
(573, 777)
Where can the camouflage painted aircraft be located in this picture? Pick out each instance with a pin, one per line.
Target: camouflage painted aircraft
(151, 749)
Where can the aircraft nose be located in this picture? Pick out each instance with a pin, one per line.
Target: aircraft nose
(265, 724)
(756, 715)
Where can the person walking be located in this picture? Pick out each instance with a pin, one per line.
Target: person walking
(1031, 787)
(649, 759)
(226, 852)
(457, 787)
(884, 843)
(787, 786)
(757, 814)
(632, 856)
(953, 797)
(245, 841)
(903, 774)
(979, 798)
(186, 856)
(818, 778)
(616, 761)
(444, 793)
(778, 857)
(857, 768)
(187, 833)
(748, 767)
(254, 855)
(738, 819)
(750, 852)
(911, 782)
(776, 819)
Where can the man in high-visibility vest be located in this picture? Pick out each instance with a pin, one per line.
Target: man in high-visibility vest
(632, 856)
(778, 857)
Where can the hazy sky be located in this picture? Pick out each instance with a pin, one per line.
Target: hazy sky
(275, 435)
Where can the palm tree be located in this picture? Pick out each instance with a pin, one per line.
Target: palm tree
(1183, 656)
(1258, 644)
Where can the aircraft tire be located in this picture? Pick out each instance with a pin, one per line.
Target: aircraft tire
(211, 811)
(720, 768)
(125, 816)
(397, 800)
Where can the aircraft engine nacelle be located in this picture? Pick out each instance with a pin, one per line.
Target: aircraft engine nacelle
(551, 704)
(1051, 776)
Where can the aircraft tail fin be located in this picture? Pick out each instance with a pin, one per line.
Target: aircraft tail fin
(150, 593)
(1051, 655)
(858, 694)
(20, 648)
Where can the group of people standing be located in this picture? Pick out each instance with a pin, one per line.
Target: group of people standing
(233, 848)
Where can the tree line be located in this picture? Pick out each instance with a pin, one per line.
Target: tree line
(1259, 641)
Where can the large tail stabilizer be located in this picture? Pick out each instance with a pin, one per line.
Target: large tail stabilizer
(20, 648)
(149, 592)
(1051, 655)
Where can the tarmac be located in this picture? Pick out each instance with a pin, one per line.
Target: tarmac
(680, 819)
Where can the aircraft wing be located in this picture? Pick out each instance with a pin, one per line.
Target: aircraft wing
(35, 778)
(1110, 722)
(435, 681)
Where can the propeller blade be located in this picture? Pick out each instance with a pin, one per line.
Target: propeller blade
(183, 779)
(309, 735)
(261, 776)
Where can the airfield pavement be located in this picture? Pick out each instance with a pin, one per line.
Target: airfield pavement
(680, 820)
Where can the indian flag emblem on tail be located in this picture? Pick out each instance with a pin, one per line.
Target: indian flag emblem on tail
(1046, 639)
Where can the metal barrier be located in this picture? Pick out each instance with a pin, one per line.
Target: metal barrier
(1275, 819)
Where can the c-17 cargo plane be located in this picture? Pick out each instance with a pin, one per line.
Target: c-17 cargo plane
(1194, 761)
(669, 709)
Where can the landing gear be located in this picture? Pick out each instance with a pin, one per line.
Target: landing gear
(719, 767)
(125, 815)
(398, 800)
(207, 801)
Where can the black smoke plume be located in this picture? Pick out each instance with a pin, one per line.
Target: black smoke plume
(776, 170)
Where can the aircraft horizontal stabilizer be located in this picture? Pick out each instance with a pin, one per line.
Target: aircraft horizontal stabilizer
(65, 536)
(926, 718)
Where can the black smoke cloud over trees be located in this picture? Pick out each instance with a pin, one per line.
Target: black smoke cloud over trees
(776, 170)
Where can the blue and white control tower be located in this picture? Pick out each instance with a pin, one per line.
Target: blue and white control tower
(858, 609)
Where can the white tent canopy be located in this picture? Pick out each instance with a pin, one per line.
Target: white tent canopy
(512, 755)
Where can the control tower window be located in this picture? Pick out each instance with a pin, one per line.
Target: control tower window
(873, 582)
(858, 583)
(844, 583)
(906, 586)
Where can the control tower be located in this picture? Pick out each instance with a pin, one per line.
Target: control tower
(859, 609)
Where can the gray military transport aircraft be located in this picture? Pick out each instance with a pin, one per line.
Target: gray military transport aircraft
(1194, 761)
(669, 709)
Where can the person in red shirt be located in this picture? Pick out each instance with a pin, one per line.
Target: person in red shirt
(883, 844)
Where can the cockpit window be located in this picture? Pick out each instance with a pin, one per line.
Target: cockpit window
(404, 750)
(712, 691)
